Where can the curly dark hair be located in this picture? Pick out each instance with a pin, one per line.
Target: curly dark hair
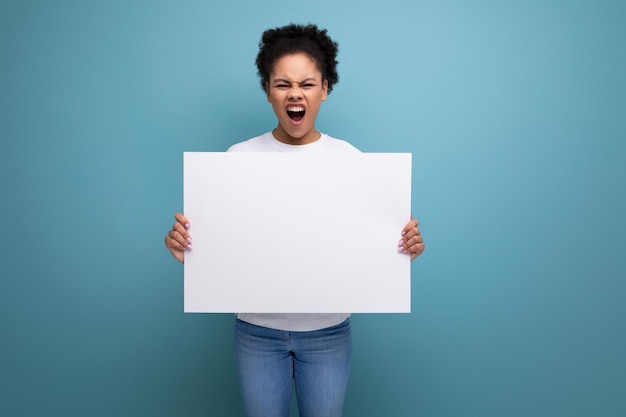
(292, 39)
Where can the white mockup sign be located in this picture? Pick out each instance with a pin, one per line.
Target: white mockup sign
(297, 232)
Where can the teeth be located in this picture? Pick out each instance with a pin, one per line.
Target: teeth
(295, 109)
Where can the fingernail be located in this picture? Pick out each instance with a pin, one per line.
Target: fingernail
(187, 226)
(400, 243)
(188, 247)
(403, 233)
(189, 240)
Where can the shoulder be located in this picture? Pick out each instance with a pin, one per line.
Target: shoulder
(338, 145)
(255, 144)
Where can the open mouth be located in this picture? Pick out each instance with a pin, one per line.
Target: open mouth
(295, 113)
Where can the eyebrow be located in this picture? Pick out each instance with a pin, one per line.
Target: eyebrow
(283, 80)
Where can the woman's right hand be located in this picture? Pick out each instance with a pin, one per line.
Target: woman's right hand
(177, 239)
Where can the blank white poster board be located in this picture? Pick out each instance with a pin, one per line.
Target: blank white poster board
(297, 232)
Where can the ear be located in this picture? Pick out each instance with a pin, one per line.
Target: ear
(267, 91)
(324, 90)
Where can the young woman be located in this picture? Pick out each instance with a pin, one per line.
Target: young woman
(297, 66)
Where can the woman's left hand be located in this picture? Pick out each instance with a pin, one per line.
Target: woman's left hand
(411, 242)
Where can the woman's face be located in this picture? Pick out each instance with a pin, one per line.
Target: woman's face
(295, 90)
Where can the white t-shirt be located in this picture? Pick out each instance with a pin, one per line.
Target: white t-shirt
(293, 321)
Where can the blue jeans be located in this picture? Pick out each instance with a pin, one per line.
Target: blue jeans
(270, 361)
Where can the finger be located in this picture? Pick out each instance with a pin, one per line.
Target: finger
(407, 245)
(178, 240)
(415, 240)
(408, 235)
(412, 234)
(417, 249)
(180, 218)
(173, 244)
(181, 230)
(175, 249)
(405, 241)
(412, 242)
(410, 226)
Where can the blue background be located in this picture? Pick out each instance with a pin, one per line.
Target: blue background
(515, 112)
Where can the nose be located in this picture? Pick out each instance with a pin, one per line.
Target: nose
(295, 93)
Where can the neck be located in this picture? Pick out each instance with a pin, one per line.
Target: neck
(282, 136)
